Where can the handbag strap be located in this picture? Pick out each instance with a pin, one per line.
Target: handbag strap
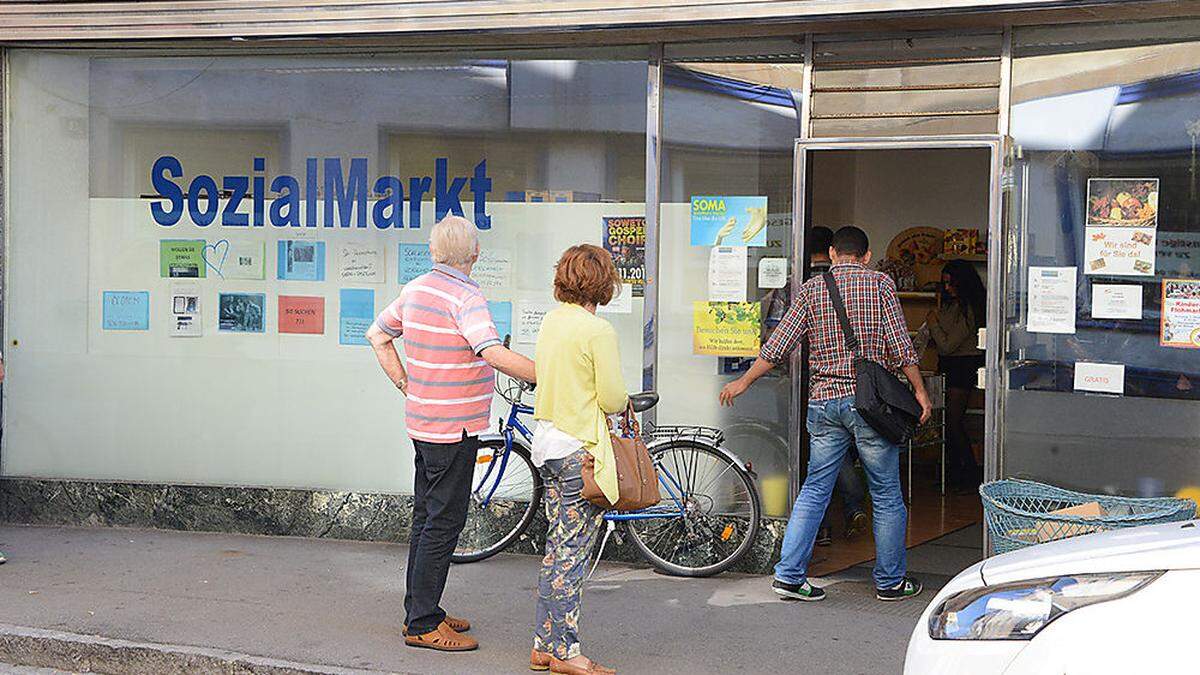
(627, 424)
(839, 308)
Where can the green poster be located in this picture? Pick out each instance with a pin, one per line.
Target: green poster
(181, 259)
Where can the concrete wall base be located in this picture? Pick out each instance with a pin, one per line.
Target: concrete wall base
(270, 511)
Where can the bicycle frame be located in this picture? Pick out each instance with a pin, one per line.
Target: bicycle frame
(666, 480)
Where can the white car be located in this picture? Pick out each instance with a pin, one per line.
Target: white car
(1125, 601)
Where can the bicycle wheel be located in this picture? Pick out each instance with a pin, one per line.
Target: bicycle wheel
(504, 498)
(710, 511)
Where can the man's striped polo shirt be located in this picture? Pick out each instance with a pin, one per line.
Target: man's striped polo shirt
(444, 320)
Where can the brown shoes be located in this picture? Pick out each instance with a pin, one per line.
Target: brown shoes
(459, 625)
(539, 660)
(443, 639)
(592, 668)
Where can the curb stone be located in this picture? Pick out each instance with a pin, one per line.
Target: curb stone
(20, 645)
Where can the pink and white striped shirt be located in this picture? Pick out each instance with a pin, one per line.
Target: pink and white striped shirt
(445, 322)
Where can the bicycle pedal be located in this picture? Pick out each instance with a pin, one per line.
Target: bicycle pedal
(618, 538)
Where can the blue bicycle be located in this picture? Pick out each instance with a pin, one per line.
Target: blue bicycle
(705, 522)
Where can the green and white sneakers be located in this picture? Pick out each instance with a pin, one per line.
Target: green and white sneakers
(805, 592)
(907, 588)
(2, 558)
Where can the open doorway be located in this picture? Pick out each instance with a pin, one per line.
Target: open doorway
(928, 211)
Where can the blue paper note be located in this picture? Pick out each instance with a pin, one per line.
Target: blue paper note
(301, 260)
(356, 314)
(414, 261)
(502, 317)
(126, 310)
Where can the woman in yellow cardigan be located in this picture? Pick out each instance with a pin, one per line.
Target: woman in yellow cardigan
(579, 384)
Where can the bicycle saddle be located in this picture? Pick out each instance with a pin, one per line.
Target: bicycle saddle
(643, 401)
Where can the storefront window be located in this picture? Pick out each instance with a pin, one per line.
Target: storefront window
(285, 200)
(729, 129)
(1103, 367)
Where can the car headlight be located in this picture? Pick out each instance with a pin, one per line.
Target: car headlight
(1018, 611)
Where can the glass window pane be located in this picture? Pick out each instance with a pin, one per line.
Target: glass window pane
(1105, 126)
(537, 152)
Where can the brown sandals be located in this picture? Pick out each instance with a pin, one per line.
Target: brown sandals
(592, 668)
(539, 660)
(459, 625)
(443, 639)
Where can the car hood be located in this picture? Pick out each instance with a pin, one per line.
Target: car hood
(1150, 547)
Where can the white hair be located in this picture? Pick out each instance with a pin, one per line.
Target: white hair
(453, 241)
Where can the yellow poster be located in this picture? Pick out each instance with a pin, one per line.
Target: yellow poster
(726, 328)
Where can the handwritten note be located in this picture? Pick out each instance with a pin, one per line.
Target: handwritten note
(493, 269)
(301, 314)
(360, 263)
(126, 310)
(414, 261)
(529, 319)
(357, 311)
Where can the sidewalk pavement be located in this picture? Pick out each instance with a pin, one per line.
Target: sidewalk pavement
(177, 602)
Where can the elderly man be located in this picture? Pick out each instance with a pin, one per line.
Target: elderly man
(450, 349)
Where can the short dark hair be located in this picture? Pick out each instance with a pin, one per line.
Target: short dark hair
(820, 238)
(851, 241)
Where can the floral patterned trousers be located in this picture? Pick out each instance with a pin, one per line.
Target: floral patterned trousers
(574, 523)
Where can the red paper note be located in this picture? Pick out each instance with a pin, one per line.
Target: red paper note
(301, 314)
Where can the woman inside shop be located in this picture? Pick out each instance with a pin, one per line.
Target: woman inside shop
(579, 384)
(954, 329)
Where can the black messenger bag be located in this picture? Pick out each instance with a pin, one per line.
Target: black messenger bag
(886, 403)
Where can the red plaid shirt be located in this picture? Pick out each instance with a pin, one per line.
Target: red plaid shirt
(874, 311)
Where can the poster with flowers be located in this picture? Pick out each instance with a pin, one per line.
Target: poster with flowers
(726, 328)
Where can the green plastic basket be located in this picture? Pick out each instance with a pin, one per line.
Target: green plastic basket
(1019, 513)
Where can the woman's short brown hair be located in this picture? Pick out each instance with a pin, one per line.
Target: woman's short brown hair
(586, 275)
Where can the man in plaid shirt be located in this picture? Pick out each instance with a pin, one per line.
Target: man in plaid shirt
(832, 422)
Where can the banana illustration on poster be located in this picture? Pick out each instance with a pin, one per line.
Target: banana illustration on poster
(729, 221)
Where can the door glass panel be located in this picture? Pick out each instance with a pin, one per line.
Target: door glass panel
(729, 127)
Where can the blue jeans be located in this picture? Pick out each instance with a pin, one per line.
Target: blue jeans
(832, 426)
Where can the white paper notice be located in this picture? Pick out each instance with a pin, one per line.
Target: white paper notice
(493, 269)
(360, 263)
(772, 272)
(247, 260)
(1104, 377)
(1051, 300)
(621, 304)
(529, 319)
(185, 310)
(1111, 301)
(727, 273)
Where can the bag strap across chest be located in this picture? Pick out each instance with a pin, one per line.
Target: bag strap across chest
(839, 308)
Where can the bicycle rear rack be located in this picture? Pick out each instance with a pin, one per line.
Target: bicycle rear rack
(706, 435)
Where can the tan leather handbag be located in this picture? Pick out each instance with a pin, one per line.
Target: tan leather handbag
(637, 481)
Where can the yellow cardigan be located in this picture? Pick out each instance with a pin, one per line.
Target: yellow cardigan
(579, 383)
